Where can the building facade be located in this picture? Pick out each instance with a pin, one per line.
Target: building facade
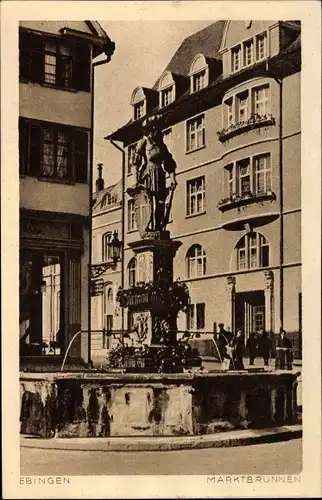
(229, 103)
(55, 153)
(106, 276)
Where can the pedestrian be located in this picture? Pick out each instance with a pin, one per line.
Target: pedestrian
(239, 350)
(251, 345)
(265, 344)
(222, 340)
(284, 354)
(230, 354)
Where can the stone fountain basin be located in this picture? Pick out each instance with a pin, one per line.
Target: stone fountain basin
(92, 404)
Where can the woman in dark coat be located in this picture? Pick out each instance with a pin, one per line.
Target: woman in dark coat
(265, 344)
(251, 346)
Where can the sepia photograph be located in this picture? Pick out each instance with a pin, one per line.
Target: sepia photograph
(160, 250)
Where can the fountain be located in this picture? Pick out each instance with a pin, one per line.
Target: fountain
(156, 386)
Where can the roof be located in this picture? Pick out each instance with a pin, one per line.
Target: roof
(100, 196)
(206, 42)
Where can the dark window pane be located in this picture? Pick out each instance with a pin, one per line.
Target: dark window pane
(81, 156)
(81, 69)
(35, 149)
(23, 147)
(200, 309)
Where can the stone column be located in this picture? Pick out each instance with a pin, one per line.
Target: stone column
(230, 313)
(269, 296)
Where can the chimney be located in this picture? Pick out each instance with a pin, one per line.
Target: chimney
(99, 180)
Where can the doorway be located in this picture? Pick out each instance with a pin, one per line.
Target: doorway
(250, 311)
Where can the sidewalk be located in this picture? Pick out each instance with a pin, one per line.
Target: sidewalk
(154, 443)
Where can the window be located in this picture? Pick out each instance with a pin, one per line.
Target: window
(261, 100)
(53, 151)
(49, 60)
(249, 175)
(195, 133)
(106, 256)
(195, 196)
(262, 174)
(261, 46)
(252, 251)
(131, 222)
(196, 261)
(230, 173)
(108, 199)
(252, 102)
(132, 272)
(243, 173)
(139, 110)
(199, 81)
(130, 158)
(166, 97)
(230, 112)
(236, 59)
(248, 52)
(196, 317)
(242, 107)
(56, 151)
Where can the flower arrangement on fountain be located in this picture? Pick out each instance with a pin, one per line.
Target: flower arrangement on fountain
(171, 355)
(174, 296)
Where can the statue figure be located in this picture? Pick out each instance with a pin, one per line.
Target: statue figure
(153, 160)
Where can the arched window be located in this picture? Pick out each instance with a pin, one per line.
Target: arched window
(106, 238)
(196, 261)
(199, 73)
(132, 272)
(252, 251)
(138, 102)
(167, 89)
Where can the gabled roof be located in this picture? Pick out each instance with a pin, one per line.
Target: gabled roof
(96, 29)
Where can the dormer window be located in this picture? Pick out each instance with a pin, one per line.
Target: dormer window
(249, 52)
(199, 73)
(167, 89)
(261, 46)
(138, 101)
(139, 110)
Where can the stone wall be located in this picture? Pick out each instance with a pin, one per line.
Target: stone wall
(101, 405)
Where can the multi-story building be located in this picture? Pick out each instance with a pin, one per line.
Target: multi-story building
(107, 275)
(55, 150)
(229, 101)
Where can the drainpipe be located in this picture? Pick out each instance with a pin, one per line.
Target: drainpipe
(109, 49)
(122, 222)
(279, 81)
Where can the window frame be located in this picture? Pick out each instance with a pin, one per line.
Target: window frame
(32, 61)
(193, 316)
(130, 151)
(251, 103)
(202, 130)
(245, 245)
(106, 239)
(139, 107)
(240, 48)
(131, 221)
(29, 147)
(196, 259)
(189, 194)
(236, 181)
(132, 272)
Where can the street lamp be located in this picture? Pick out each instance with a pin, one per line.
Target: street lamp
(115, 248)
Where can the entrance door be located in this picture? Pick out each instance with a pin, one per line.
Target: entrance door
(250, 311)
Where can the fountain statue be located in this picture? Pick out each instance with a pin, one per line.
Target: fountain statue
(167, 395)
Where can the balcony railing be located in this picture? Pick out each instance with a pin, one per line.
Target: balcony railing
(253, 122)
(236, 200)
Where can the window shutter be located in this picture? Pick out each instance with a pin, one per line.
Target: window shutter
(24, 55)
(81, 156)
(35, 149)
(23, 147)
(82, 68)
(37, 62)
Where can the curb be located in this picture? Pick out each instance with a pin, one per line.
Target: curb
(155, 443)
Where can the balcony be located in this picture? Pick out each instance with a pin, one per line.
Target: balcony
(254, 121)
(236, 200)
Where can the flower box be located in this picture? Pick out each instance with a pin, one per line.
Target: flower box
(254, 122)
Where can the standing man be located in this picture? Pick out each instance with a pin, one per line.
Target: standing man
(265, 344)
(251, 346)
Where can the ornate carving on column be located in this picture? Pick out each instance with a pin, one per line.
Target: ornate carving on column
(269, 299)
(231, 291)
